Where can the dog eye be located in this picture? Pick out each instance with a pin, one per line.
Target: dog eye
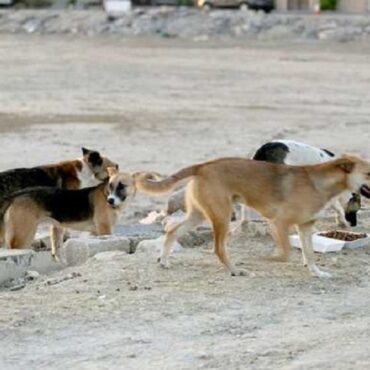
(120, 186)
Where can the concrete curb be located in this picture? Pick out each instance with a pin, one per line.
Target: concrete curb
(14, 264)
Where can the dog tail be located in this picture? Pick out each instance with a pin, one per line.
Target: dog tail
(152, 183)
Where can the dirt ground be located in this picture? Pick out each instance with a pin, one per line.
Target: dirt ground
(160, 105)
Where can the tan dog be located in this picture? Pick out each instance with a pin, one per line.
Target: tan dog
(286, 195)
(93, 209)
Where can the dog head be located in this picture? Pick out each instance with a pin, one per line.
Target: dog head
(120, 188)
(97, 164)
(357, 171)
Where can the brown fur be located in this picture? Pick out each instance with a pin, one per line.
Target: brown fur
(286, 195)
(68, 172)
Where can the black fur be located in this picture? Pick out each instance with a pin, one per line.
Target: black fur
(351, 217)
(331, 154)
(274, 152)
(58, 175)
(20, 178)
(62, 205)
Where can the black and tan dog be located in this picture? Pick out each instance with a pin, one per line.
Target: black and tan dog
(93, 209)
(73, 174)
(89, 170)
(285, 195)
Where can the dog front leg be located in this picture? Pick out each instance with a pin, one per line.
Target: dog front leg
(305, 235)
(339, 214)
(103, 228)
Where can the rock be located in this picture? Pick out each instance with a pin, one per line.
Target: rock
(60, 279)
(197, 237)
(32, 25)
(278, 32)
(17, 287)
(186, 23)
(76, 251)
(150, 231)
(32, 275)
(341, 34)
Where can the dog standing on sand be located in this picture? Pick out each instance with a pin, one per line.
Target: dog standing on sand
(300, 154)
(93, 209)
(296, 154)
(73, 174)
(285, 195)
(89, 170)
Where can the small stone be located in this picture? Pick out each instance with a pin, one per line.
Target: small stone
(17, 287)
(32, 275)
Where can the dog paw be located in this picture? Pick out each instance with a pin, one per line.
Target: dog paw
(163, 262)
(238, 273)
(55, 257)
(315, 271)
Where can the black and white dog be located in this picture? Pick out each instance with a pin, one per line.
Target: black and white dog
(297, 154)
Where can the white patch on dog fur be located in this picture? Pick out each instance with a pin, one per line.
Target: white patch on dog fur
(301, 154)
(86, 176)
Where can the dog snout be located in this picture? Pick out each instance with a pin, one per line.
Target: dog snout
(110, 201)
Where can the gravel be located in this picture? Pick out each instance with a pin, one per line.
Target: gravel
(189, 23)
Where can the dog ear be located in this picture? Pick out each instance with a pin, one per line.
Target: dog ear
(112, 171)
(85, 151)
(346, 165)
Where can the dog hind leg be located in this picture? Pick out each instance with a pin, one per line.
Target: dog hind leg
(220, 229)
(193, 218)
(56, 240)
(20, 228)
(219, 216)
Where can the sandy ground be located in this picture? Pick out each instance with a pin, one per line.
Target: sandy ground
(160, 105)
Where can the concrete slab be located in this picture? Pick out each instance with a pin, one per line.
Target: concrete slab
(15, 263)
(150, 231)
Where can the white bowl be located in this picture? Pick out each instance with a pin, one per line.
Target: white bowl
(323, 244)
